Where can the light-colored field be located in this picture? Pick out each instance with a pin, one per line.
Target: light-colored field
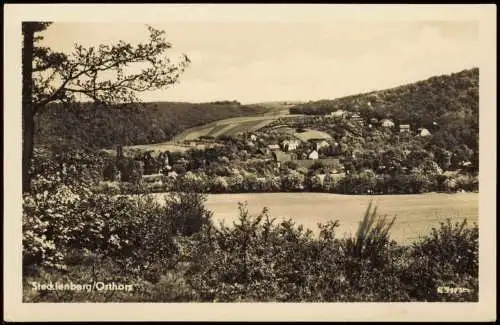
(229, 126)
(312, 134)
(415, 214)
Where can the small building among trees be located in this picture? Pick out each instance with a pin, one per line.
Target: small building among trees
(423, 132)
(313, 155)
(386, 123)
(403, 128)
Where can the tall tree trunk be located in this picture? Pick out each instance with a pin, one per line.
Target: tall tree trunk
(28, 111)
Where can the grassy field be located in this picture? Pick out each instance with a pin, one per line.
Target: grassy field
(415, 214)
(312, 134)
(229, 126)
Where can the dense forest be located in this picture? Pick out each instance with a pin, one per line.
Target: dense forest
(89, 125)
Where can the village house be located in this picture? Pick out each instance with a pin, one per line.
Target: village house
(153, 178)
(322, 144)
(386, 123)
(357, 118)
(290, 145)
(466, 164)
(273, 147)
(253, 137)
(313, 155)
(339, 113)
(172, 174)
(423, 132)
(404, 128)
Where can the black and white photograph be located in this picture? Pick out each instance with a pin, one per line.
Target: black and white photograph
(248, 154)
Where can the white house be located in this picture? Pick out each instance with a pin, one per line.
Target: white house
(322, 144)
(253, 137)
(404, 128)
(290, 145)
(313, 155)
(387, 123)
(273, 147)
(465, 164)
(423, 132)
(172, 174)
(338, 113)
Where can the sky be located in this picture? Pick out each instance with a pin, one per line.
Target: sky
(291, 60)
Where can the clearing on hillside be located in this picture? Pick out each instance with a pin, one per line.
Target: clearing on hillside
(311, 134)
(229, 126)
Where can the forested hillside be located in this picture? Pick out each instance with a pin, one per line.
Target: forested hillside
(90, 125)
(447, 105)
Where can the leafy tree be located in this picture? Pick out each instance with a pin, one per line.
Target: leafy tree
(100, 74)
(294, 181)
(443, 158)
(393, 159)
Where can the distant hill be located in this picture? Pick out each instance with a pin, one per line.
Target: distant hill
(278, 104)
(422, 102)
(448, 105)
(84, 124)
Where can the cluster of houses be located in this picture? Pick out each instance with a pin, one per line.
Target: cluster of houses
(386, 123)
(291, 149)
(287, 150)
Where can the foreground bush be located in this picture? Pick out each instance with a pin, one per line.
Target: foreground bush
(135, 233)
(260, 260)
(446, 257)
(173, 252)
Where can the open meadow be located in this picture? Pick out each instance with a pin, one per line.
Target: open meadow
(415, 214)
(229, 126)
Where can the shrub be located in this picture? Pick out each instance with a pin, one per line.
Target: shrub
(372, 238)
(187, 212)
(467, 183)
(447, 256)
(243, 263)
(260, 260)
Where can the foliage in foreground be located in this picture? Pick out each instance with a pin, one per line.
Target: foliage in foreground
(174, 252)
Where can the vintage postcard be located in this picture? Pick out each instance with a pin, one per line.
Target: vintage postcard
(250, 162)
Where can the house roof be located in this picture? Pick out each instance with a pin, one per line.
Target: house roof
(314, 152)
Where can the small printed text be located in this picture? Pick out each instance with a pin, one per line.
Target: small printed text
(88, 287)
